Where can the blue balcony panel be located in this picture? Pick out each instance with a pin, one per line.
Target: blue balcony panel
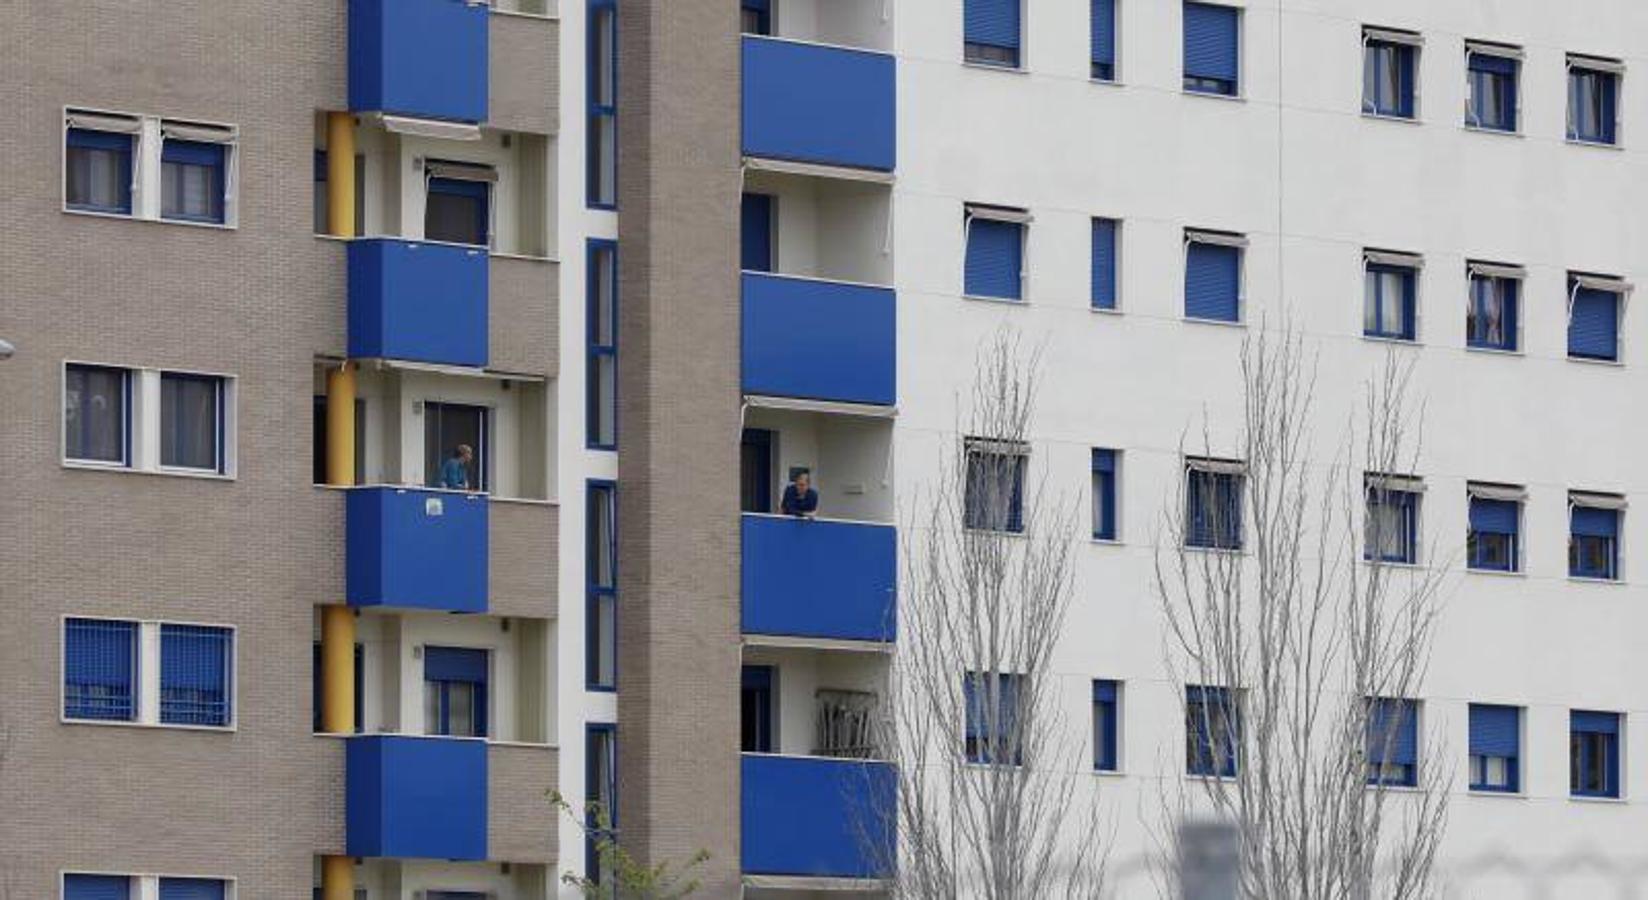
(416, 797)
(819, 104)
(818, 817)
(422, 58)
(417, 549)
(819, 578)
(819, 340)
(418, 301)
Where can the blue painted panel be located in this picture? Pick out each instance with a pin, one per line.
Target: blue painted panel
(417, 549)
(423, 58)
(811, 578)
(1104, 263)
(418, 301)
(1593, 327)
(820, 340)
(994, 23)
(1103, 32)
(812, 816)
(818, 104)
(1213, 282)
(1210, 41)
(1494, 730)
(994, 266)
(416, 797)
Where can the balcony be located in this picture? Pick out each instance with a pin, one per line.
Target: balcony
(420, 301)
(819, 578)
(813, 817)
(422, 58)
(415, 797)
(819, 340)
(818, 104)
(417, 549)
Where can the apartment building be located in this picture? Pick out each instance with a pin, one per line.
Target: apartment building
(406, 393)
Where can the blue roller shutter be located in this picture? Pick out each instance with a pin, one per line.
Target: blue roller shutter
(1594, 722)
(1494, 731)
(191, 889)
(1210, 41)
(454, 664)
(1593, 329)
(995, 259)
(1591, 522)
(96, 887)
(1213, 275)
(993, 23)
(1497, 516)
(1104, 264)
(1103, 38)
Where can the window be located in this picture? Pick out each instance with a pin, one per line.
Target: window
(192, 179)
(1104, 494)
(454, 691)
(992, 728)
(96, 887)
(1211, 48)
(1104, 263)
(97, 403)
(446, 427)
(1492, 314)
(1495, 517)
(1213, 504)
(1388, 69)
(191, 421)
(100, 670)
(995, 252)
(994, 499)
(1390, 296)
(755, 701)
(97, 173)
(600, 797)
(991, 32)
(1103, 40)
(756, 16)
(196, 671)
(602, 374)
(457, 205)
(1593, 99)
(1594, 306)
(1593, 754)
(318, 700)
(601, 179)
(601, 574)
(1393, 742)
(1593, 541)
(1496, 748)
(1212, 731)
(192, 889)
(124, 887)
(1106, 719)
(1491, 100)
(1391, 527)
(755, 225)
(1213, 275)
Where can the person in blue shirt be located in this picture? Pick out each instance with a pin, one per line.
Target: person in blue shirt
(799, 497)
(455, 471)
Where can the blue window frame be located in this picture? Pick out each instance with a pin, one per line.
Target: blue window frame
(1213, 724)
(1391, 526)
(193, 889)
(1106, 721)
(458, 211)
(994, 497)
(1213, 505)
(600, 796)
(1213, 277)
(995, 258)
(97, 403)
(192, 421)
(196, 675)
(755, 709)
(100, 670)
(1593, 541)
(96, 887)
(455, 691)
(1594, 304)
(1593, 100)
(756, 16)
(98, 171)
(1212, 40)
(991, 32)
(1102, 40)
(1593, 753)
(1393, 742)
(601, 413)
(1491, 87)
(1104, 493)
(1388, 73)
(1492, 543)
(601, 578)
(193, 181)
(601, 176)
(755, 227)
(1496, 748)
(991, 732)
(1104, 264)
(1492, 314)
(1390, 301)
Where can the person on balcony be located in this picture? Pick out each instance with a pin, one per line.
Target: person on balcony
(799, 497)
(455, 471)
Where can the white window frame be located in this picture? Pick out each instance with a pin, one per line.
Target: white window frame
(146, 687)
(1473, 268)
(1621, 289)
(148, 148)
(1503, 51)
(1405, 37)
(1608, 65)
(1016, 215)
(143, 423)
(1217, 239)
(1600, 500)
(1400, 260)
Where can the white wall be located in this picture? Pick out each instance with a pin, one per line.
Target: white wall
(866, 24)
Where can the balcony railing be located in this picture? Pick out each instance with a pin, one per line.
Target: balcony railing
(416, 797)
(819, 578)
(820, 340)
(416, 300)
(421, 58)
(818, 817)
(417, 548)
(819, 104)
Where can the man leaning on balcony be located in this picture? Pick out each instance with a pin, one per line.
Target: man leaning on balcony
(799, 497)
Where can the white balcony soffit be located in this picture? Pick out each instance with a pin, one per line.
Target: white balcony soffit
(792, 642)
(831, 407)
(821, 885)
(407, 365)
(816, 170)
(431, 128)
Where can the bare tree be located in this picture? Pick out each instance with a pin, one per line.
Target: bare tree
(1302, 642)
(985, 806)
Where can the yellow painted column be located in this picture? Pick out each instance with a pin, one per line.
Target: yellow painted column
(340, 426)
(337, 878)
(337, 623)
(340, 174)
